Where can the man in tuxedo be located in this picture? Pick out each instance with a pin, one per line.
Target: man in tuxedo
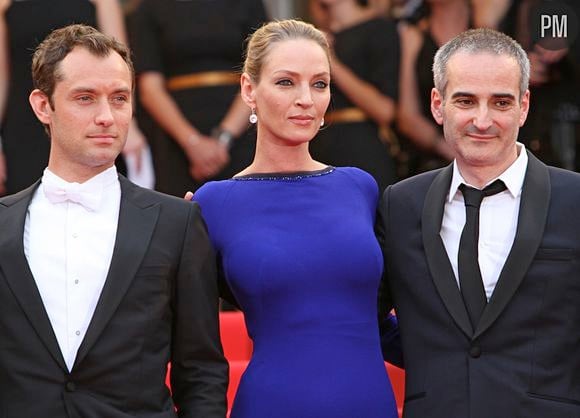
(484, 275)
(102, 283)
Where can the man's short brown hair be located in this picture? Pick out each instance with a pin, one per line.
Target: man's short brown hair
(60, 42)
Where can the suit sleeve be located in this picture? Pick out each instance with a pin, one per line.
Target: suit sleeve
(388, 326)
(199, 371)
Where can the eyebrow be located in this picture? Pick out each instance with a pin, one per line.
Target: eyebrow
(494, 95)
(92, 90)
(294, 73)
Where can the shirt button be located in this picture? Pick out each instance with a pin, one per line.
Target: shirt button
(76, 281)
(75, 235)
(475, 351)
(70, 386)
(77, 332)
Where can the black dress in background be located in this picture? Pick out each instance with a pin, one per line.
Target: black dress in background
(26, 145)
(552, 128)
(418, 159)
(176, 37)
(371, 50)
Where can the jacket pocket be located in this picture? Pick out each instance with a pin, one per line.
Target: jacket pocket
(554, 398)
(555, 254)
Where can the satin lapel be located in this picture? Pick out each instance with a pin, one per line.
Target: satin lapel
(15, 269)
(437, 258)
(534, 207)
(137, 221)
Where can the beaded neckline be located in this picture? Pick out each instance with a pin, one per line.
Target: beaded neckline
(289, 176)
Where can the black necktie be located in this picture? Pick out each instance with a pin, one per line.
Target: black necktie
(470, 279)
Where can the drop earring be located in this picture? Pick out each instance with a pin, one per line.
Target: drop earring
(322, 123)
(253, 117)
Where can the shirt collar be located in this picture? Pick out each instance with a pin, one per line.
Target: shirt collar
(105, 178)
(513, 176)
(88, 193)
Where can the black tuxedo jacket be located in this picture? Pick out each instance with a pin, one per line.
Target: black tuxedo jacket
(158, 304)
(522, 360)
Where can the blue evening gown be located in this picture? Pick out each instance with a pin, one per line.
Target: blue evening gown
(301, 258)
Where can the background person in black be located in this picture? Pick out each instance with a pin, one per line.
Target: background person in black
(187, 57)
(365, 67)
(433, 24)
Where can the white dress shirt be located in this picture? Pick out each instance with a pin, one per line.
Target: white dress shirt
(498, 218)
(69, 250)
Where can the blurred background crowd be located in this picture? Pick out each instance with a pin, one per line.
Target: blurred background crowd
(191, 126)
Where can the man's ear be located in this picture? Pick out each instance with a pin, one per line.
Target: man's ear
(437, 106)
(248, 90)
(41, 106)
(525, 107)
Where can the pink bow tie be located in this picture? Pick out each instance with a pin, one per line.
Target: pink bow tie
(89, 197)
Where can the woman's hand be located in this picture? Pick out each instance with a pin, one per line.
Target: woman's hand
(206, 157)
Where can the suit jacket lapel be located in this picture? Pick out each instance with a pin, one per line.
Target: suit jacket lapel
(437, 258)
(532, 217)
(137, 219)
(16, 270)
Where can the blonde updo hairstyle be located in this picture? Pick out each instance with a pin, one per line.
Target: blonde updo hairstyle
(263, 39)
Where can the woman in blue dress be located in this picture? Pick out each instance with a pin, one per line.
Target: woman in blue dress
(297, 248)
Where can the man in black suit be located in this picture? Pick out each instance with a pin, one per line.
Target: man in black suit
(488, 298)
(102, 283)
